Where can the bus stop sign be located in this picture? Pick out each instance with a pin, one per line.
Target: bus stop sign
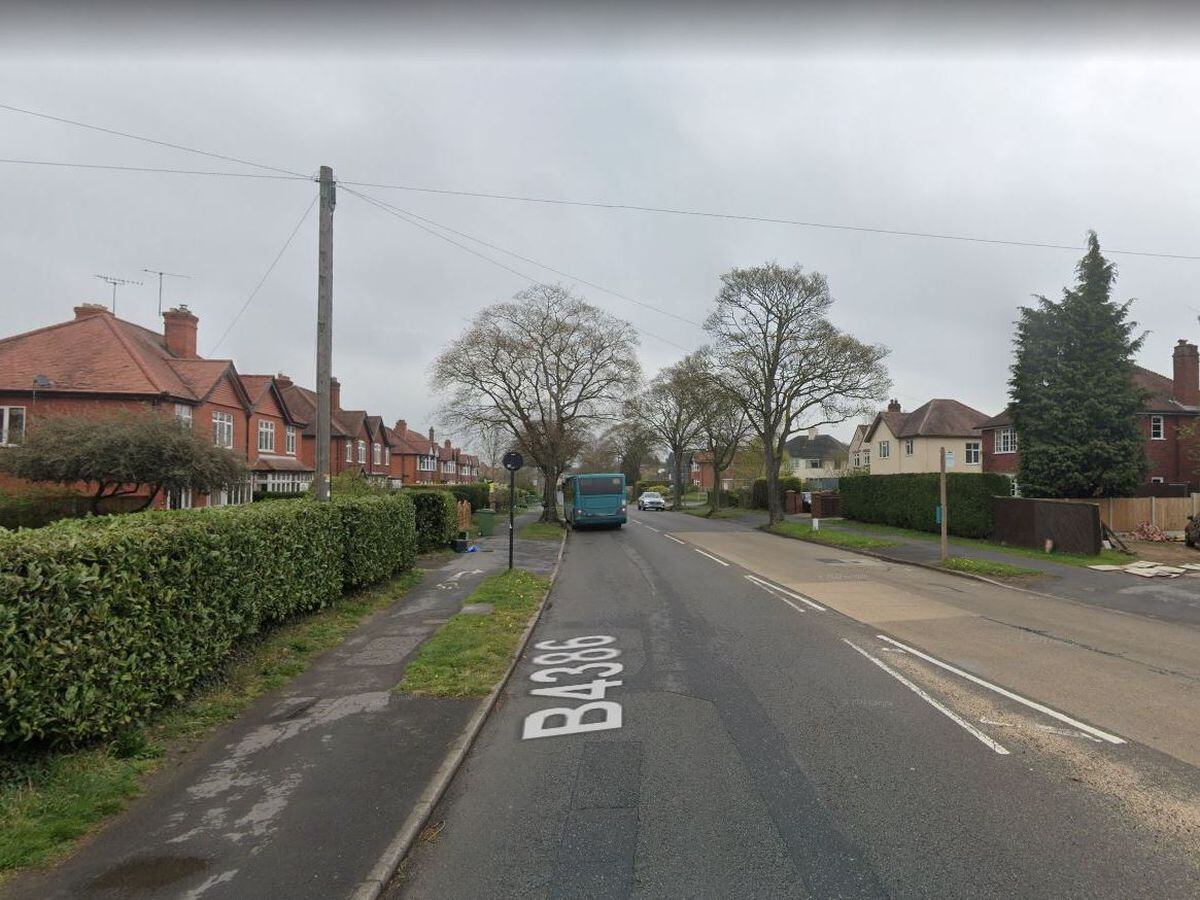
(512, 460)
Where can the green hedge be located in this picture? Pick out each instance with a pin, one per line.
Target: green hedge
(380, 537)
(910, 501)
(437, 517)
(758, 493)
(104, 620)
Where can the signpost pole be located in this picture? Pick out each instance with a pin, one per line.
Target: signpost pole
(942, 501)
(512, 490)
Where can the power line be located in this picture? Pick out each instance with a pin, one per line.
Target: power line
(737, 217)
(68, 165)
(266, 275)
(541, 265)
(393, 211)
(138, 137)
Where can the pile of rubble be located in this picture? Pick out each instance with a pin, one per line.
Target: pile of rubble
(1148, 569)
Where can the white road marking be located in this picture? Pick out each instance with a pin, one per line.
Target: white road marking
(644, 525)
(948, 713)
(774, 587)
(710, 556)
(675, 539)
(774, 593)
(1004, 692)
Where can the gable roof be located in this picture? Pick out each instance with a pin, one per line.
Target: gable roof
(937, 418)
(302, 403)
(825, 446)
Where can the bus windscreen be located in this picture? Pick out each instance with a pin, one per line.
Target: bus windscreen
(593, 486)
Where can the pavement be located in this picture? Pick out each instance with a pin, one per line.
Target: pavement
(772, 718)
(300, 796)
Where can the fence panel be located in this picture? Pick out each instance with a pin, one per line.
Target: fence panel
(1073, 527)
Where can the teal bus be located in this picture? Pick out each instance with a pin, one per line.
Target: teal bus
(594, 500)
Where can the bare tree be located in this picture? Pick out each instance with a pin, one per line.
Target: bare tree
(672, 409)
(492, 441)
(547, 368)
(786, 364)
(724, 428)
(631, 442)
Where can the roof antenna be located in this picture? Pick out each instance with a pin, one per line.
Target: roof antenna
(114, 282)
(160, 278)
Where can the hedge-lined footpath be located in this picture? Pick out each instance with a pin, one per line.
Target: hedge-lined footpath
(104, 620)
(910, 501)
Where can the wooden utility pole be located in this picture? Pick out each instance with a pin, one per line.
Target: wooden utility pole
(324, 327)
(942, 501)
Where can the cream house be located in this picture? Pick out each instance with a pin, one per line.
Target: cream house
(901, 443)
(860, 450)
(815, 455)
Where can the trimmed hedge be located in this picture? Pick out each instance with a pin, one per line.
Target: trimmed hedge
(477, 494)
(104, 620)
(910, 501)
(758, 493)
(436, 516)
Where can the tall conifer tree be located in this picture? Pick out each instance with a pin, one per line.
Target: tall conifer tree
(1075, 404)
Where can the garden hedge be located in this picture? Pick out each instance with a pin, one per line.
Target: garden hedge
(758, 493)
(104, 620)
(437, 517)
(910, 501)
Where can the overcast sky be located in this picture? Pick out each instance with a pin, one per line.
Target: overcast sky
(1022, 128)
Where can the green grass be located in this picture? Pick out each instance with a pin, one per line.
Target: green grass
(470, 653)
(987, 567)
(830, 538)
(50, 798)
(1114, 557)
(722, 513)
(541, 531)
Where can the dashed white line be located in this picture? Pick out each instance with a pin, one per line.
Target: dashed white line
(675, 539)
(948, 713)
(770, 590)
(774, 587)
(710, 556)
(1004, 692)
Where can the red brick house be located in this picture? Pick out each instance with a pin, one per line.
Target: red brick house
(277, 435)
(1171, 404)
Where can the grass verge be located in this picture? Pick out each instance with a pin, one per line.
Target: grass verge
(828, 537)
(987, 567)
(48, 799)
(1114, 557)
(541, 531)
(722, 513)
(470, 653)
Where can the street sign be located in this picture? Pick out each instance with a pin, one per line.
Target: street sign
(512, 460)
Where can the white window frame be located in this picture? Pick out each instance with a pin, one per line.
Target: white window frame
(387, 456)
(184, 414)
(376, 453)
(814, 463)
(908, 446)
(425, 464)
(349, 450)
(362, 452)
(289, 440)
(1004, 440)
(6, 417)
(1157, 479)
(233, 495)
(222, 423)
(266, 436)
(283, 482)
(885, 449)
(973, 454)
(179, 498)
(1158, 428)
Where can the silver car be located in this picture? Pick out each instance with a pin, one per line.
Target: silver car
(651, 500)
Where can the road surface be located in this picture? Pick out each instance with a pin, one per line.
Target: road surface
(777, 719)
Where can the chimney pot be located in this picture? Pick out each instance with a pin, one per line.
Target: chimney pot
(1186, 384)
(401, 427)
(894, 405)
(179, 327)
(446, 443)
(432, 440)
(335, 393)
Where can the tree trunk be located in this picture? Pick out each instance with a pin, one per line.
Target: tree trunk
(677, 476)
(774, 500)
(150, 499)
(549, 496)
(714, 504)
(94, 502)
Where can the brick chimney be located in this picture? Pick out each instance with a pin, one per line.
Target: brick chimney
(180, 327)
(335, 394)
(432, 440)
(87, 310)
(446, 443)
(401, 428)
(1187, 374)
(284, 381)
(893, 405)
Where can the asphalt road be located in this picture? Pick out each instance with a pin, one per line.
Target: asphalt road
(772, 745)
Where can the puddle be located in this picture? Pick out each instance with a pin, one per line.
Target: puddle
(148, 873)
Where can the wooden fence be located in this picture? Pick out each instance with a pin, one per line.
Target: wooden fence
(1123, 514)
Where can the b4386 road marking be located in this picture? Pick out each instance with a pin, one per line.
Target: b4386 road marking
(595, 658)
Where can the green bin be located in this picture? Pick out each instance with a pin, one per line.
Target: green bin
(486, 520)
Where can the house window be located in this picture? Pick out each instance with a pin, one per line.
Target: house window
(908, 446)
(12, 424)
(885, 449)
(349, 451)
(866, 456)
(856, 458)
(971, 457)
(814, 463)
(284, 482)
(222, 423)
(376, 454)
(1006, 440)
(183, 414)
(1157, 479)
(387, 456)
(179, 498)
(425, 463)
(1157, 431)
(232, 495)
(362, 451)
(266, 436)
(289, 440)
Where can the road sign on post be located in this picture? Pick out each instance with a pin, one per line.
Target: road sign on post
(512, 461)
(942, 509)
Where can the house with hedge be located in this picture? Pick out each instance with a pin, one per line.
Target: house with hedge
(901, 442)
(814, 455)
(1170, 406)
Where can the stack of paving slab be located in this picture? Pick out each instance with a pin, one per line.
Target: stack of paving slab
(1148, 569)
